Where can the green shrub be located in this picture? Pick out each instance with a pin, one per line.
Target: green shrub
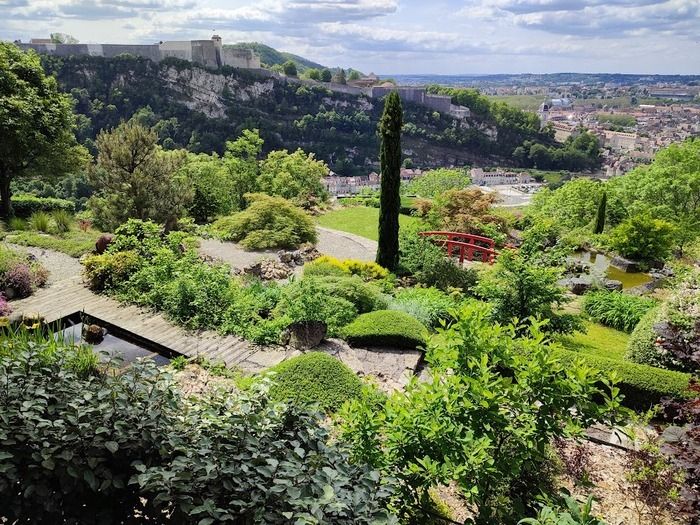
(40, 221)
(27, 205)
(642, 347)
(429, 305)
(643, 386)
(269, 222)
(386, 328)
(327, 265)
(97, 448)
(17, 224)
(63, 220)
(366, 297)
(426, 262)
(643, 238)
(307, 300)
(316, 378)
(110, 271)
(615, 309)
(250, 312)
(20, 273)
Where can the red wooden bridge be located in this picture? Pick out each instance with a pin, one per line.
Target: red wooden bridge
(466, 246)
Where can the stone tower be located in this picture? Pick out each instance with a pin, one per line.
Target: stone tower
(218, 46)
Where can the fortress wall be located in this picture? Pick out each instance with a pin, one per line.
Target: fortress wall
(344, 88)
(204, 52)
(240, 58)
(439, 103)
(181, 50)
(146, 51)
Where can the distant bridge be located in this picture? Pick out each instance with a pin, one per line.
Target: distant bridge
(465, 246)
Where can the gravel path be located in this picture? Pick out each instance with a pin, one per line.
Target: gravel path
(330, 242)
(59, 265)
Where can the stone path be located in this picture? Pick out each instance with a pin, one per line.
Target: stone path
(330, 242)
(59, 265)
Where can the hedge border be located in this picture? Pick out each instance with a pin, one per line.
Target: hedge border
(642, 385)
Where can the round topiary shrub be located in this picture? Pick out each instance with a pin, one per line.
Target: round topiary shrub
(269, 222)
(314, 378)
(386, 328)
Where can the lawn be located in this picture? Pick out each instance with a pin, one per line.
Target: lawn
(524, 102)
(597, 340)
(74, 243)
(359, 220)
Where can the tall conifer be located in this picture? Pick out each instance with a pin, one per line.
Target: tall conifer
(390, 199)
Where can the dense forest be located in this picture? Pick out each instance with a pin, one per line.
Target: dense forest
(340, 129)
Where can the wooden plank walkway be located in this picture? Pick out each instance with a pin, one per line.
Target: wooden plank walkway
(70, 296)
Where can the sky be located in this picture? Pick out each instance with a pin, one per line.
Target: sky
(398, 36)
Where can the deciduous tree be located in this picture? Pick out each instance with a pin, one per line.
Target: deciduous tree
(36, 123)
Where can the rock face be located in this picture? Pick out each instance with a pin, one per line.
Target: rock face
(626, 265)
(304, 335)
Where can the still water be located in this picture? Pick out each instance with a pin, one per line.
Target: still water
(600, 266)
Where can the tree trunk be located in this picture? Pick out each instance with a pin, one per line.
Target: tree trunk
(6, 211)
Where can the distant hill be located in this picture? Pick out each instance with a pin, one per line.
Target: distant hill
(270, 56)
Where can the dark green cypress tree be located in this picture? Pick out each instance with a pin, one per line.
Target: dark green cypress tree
(390, 199)
(600, 219)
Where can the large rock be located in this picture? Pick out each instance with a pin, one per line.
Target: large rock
(626, 265)
(577, 285)
(304, 335)
(612, 285)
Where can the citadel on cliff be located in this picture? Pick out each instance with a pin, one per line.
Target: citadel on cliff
(209, 53)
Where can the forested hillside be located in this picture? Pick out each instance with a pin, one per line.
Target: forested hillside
(201, 109)
(269, 56)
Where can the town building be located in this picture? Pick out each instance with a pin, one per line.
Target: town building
(498, 177)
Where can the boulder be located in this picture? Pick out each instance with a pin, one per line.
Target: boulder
(612, 285)
(93, 334)
(304, 335)
(626, 265)
(103, 242)
(577, 285)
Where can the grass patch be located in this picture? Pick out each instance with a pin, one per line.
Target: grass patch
(524, 102)
(359, 220)
(598, 340)
(74, 243)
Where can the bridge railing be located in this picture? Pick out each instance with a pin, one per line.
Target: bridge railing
(466, 246)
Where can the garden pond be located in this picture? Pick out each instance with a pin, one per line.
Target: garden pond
(601, 267)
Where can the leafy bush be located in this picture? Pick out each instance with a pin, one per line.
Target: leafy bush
(63, 220)
(17, 224)
(307, 300)
(40, 221)
(363, 295)
(456, 424)
(5, 307)
(328, 265)
(315, 378)
(69, 456)
(27, 205)
(386, 328)
(269, 222)
(615, 309)
(643, 238)
(643, 386)
(641, 347)
(110, 271)
(426, 262)
(429, 305)
(575, 514)
(19, 274)
(521, 289)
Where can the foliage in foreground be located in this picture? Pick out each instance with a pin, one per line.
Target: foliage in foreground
(102, 448)
(269, 222)
(20, 275)
(616, 309)
(575, 514)
(483, 419)
(314, 378)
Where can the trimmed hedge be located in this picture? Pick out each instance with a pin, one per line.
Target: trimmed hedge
(315, 378)
(26, 205)
(643, 386)
(386, 328)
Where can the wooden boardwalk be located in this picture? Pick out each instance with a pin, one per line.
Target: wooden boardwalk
(70, 296)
